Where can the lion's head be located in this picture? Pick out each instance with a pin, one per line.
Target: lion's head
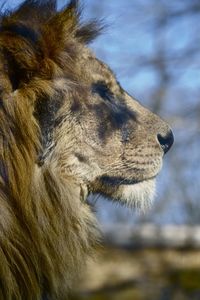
(101, 136)
(67, 129)
(104, 138)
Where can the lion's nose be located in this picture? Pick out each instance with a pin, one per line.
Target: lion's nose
(166, 141)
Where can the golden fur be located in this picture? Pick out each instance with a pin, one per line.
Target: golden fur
(60, 140)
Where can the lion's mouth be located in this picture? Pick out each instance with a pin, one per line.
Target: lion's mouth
(117, 180)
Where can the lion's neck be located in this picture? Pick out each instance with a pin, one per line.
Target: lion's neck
(58, 232)
(65, 220)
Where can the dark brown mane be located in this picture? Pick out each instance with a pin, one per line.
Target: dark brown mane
(38, 212)
(31, 16)
(36, 33)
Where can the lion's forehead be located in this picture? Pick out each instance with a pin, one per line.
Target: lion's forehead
(93, 69)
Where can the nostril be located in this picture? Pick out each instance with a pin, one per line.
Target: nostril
(166, 141)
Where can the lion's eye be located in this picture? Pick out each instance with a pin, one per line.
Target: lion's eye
(102, 90)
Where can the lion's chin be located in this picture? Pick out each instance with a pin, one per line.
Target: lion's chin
(139, 195)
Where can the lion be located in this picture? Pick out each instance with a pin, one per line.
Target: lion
(67, 130)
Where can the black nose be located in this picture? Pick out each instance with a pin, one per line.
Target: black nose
(166, 141)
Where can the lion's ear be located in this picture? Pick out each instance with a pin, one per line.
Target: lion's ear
(16, 69)
(21, 41)
(65, 25)
(64, 22)
(61, 28)
(19, 61)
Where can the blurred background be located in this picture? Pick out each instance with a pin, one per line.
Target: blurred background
(153, 46)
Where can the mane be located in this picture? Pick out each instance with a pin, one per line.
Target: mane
(37, 12)
(43, 239)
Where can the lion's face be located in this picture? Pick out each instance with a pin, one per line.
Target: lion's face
(105, 139)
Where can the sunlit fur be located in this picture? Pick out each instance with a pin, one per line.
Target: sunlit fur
(65, 126)
(140, 195)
